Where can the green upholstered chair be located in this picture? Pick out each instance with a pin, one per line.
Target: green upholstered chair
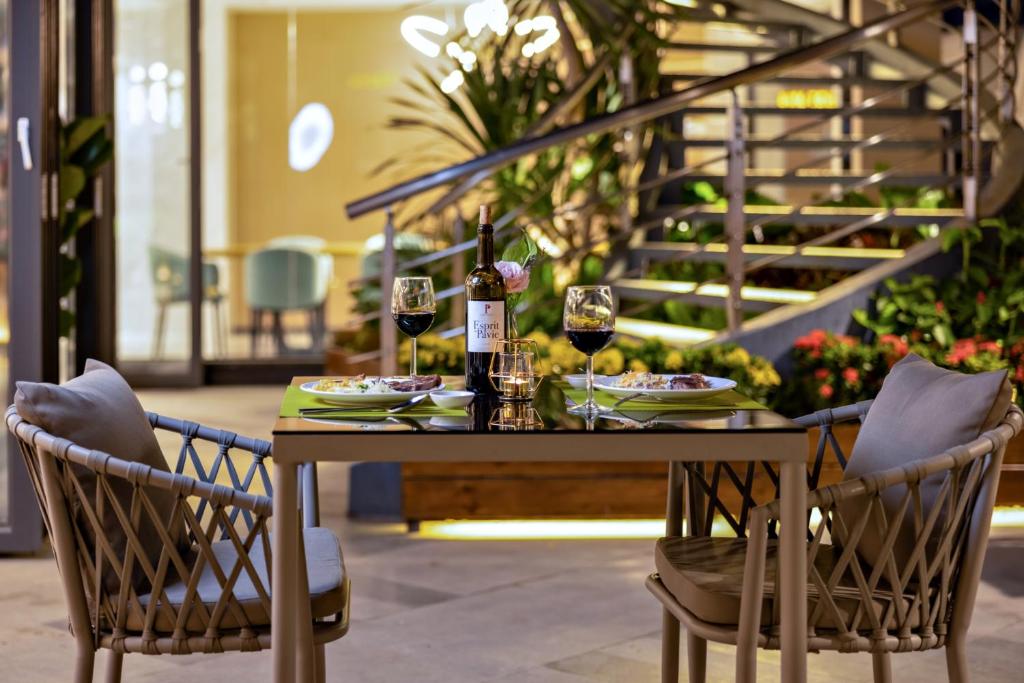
(170, 275)
(280, 279)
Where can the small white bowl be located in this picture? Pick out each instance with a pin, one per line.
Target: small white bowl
(452, 399)
(580, 381)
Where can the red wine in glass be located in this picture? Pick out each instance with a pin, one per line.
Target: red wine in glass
(589, 341)
(414, 323)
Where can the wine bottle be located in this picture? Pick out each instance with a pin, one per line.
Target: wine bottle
(485, 309)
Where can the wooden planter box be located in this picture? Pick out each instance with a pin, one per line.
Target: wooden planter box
(546, 489)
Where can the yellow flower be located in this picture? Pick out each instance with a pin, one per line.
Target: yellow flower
(674, 361)
(637, 365)
(609, 362)
(738, 357)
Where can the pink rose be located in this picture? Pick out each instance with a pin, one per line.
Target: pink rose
(517, 278)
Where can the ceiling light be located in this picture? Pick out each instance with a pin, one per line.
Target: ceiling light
(412, 28)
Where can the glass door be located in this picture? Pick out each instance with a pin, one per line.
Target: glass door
(158, 278)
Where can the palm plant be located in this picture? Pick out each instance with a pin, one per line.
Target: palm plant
(569, 197)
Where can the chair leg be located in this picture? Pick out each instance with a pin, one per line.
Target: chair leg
(84, 659)
(279, 344)
(257, 327)
(669, 648)
(218, 326)
(114, 661)
(697, 655)
(321, 664)
(956, 662)
(881, 665)
(158, 332)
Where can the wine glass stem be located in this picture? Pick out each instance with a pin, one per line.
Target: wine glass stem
(412, 359)
(590, 380)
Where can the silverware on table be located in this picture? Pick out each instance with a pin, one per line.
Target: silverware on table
(637, 395)
(310, 412)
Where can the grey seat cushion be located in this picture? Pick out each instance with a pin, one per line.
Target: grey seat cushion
(324, 567)
(705, 574)
(99, 411)
(921, 411)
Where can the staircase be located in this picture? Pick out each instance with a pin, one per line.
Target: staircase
(851, 125)
(796, 162)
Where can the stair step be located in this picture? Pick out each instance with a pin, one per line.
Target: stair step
(809, 258)
(764, 109)
(821, 143)
(827, 176)
(724, 47)
(815, 81)
(710, 294)
(674, 335)
(817, 215)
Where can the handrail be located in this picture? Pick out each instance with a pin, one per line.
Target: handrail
(649, 109)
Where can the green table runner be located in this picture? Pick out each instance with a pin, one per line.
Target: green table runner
(295, 398)
(730, 400)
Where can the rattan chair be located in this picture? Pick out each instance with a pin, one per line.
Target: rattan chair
(725, 589)
(215, 598)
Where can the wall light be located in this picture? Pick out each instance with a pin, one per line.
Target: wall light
(412, 28)
(309, 136)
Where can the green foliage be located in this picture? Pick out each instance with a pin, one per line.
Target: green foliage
(85, 147)
(985, 299)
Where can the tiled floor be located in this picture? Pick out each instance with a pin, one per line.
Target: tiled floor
(441, 611)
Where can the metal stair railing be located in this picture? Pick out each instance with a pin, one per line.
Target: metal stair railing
(655, 109)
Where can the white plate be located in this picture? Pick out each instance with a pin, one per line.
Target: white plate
(719, 385)
(369, 400)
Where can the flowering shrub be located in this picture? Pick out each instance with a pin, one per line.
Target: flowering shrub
(832, 370)
(756, 376)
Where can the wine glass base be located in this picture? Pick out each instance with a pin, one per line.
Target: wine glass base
(589, 409)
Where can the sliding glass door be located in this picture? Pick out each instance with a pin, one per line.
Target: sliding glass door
(157, 275)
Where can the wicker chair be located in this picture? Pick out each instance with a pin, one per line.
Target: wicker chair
(214, 599)
(725, 589)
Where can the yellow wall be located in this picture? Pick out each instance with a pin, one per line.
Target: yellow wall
(352, 62)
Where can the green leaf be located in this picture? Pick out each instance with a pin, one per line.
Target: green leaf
(80, 131)
(66, 322)
(72, 182)
(69, 274)
(943, 334)
(522, 250)
(74, 220)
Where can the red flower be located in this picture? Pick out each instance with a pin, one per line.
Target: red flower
(812, 340)
(898, 347)
(981, 297)
(990, 347)
(939, 307)
(821, 373)
(826, 391)
(851, 375)
(962, 350)
(1019, 375)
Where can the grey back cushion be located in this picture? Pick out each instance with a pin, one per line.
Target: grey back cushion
(921, 411)
(99, 411)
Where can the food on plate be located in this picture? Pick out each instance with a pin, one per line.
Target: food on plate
(649, 381)
(361, 384)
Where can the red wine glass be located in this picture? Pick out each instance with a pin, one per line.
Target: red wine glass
(413, 306)
(589, 323)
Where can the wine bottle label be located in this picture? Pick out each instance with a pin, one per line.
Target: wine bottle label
(485, 325)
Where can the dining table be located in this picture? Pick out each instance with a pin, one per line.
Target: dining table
(726, 428)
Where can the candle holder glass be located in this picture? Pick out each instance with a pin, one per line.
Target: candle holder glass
(515, 417)
(513, 372)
